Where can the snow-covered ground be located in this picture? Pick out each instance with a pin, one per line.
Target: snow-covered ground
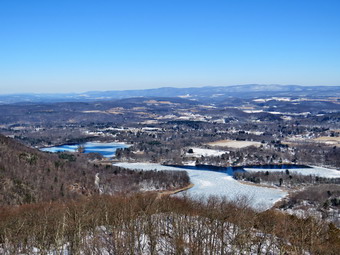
(315, 170)
(252, 111)
(199, 152)
(157, 235)
(209, 183)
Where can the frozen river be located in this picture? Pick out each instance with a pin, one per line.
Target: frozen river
(212, 183)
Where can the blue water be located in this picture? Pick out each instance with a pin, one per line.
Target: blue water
(232, 169)
(105, 149)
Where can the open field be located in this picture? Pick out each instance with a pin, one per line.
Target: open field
(199, 152)
(234, 144)
(328, 139)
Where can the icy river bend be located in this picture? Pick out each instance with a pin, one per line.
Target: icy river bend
(209, 183)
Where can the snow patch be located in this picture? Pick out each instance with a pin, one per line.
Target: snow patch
(199, 152)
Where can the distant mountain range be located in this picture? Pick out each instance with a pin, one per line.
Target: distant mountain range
(195, 93)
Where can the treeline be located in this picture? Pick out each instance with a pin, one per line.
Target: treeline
(284, 178)
(321, 201)
(116, 180)
(313, 195)
(28, 176)
(145, 224)
(315, 154)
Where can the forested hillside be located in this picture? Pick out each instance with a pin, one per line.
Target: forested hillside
(28, 175)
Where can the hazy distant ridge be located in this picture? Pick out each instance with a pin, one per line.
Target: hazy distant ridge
(197, 93)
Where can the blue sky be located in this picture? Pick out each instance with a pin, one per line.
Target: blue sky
(74, 46)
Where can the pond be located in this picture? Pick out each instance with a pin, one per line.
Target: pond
(105, 149)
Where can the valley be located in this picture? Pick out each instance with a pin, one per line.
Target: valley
(274, 153)
(169, 127)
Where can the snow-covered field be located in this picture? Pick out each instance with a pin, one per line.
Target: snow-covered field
(199, 152)
(209, 183)
(328, 140)
(315, 170)
(234, 144)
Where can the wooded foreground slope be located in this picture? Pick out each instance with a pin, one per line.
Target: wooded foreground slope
(146, 224)
(28, 175)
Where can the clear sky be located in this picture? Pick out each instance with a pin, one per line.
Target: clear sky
(82, 45)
